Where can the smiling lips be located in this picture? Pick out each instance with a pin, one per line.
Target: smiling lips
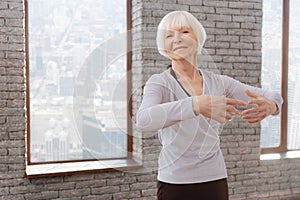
(179, 48)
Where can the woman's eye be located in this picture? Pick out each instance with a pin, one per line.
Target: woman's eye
(185, 31)
(168, 36)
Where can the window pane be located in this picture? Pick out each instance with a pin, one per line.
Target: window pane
(77, 79)
(294, 77)
(271, 66)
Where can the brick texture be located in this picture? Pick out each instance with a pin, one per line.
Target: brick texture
(234, 42)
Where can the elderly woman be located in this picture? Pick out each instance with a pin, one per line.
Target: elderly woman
(188, 106)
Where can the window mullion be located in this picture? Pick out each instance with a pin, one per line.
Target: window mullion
(284, 75)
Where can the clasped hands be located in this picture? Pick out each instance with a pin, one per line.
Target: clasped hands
(223, 109)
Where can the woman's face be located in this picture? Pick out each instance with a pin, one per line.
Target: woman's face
(181, 43)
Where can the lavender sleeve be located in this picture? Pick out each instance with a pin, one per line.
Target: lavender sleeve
(156, 112)
(235, 89)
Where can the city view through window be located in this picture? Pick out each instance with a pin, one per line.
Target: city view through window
(271, 71)
(77, 52)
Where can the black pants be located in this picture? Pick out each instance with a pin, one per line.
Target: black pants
(213, 190)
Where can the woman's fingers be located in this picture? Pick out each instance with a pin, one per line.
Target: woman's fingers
(233, 110)
(253, 115)
(248, 111)
(256, 101)
(229, 109)
(252, 94)
(258, 111)
(263, 107)
(223, 109)
(253, 121)
(235, 102)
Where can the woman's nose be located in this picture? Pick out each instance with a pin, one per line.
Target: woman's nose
(177, 37)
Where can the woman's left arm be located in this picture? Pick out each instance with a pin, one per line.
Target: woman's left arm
(266, 102)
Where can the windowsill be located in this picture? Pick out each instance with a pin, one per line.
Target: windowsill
(40, 170)
(277, 156)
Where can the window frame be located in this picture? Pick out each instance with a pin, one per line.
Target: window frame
(35, 169)
(283, 145)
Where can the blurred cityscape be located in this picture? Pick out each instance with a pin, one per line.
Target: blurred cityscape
(271, 70)
(77, 80)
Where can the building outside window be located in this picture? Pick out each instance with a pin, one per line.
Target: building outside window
(281, 72)
(77, 85)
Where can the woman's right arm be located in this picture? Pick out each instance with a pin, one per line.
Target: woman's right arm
(153, 114)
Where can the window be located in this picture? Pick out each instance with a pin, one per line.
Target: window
(281, 72)
(77, 81)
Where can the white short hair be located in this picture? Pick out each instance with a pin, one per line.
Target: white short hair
(179, 19)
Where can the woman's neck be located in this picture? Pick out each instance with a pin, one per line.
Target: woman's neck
(185, 69)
